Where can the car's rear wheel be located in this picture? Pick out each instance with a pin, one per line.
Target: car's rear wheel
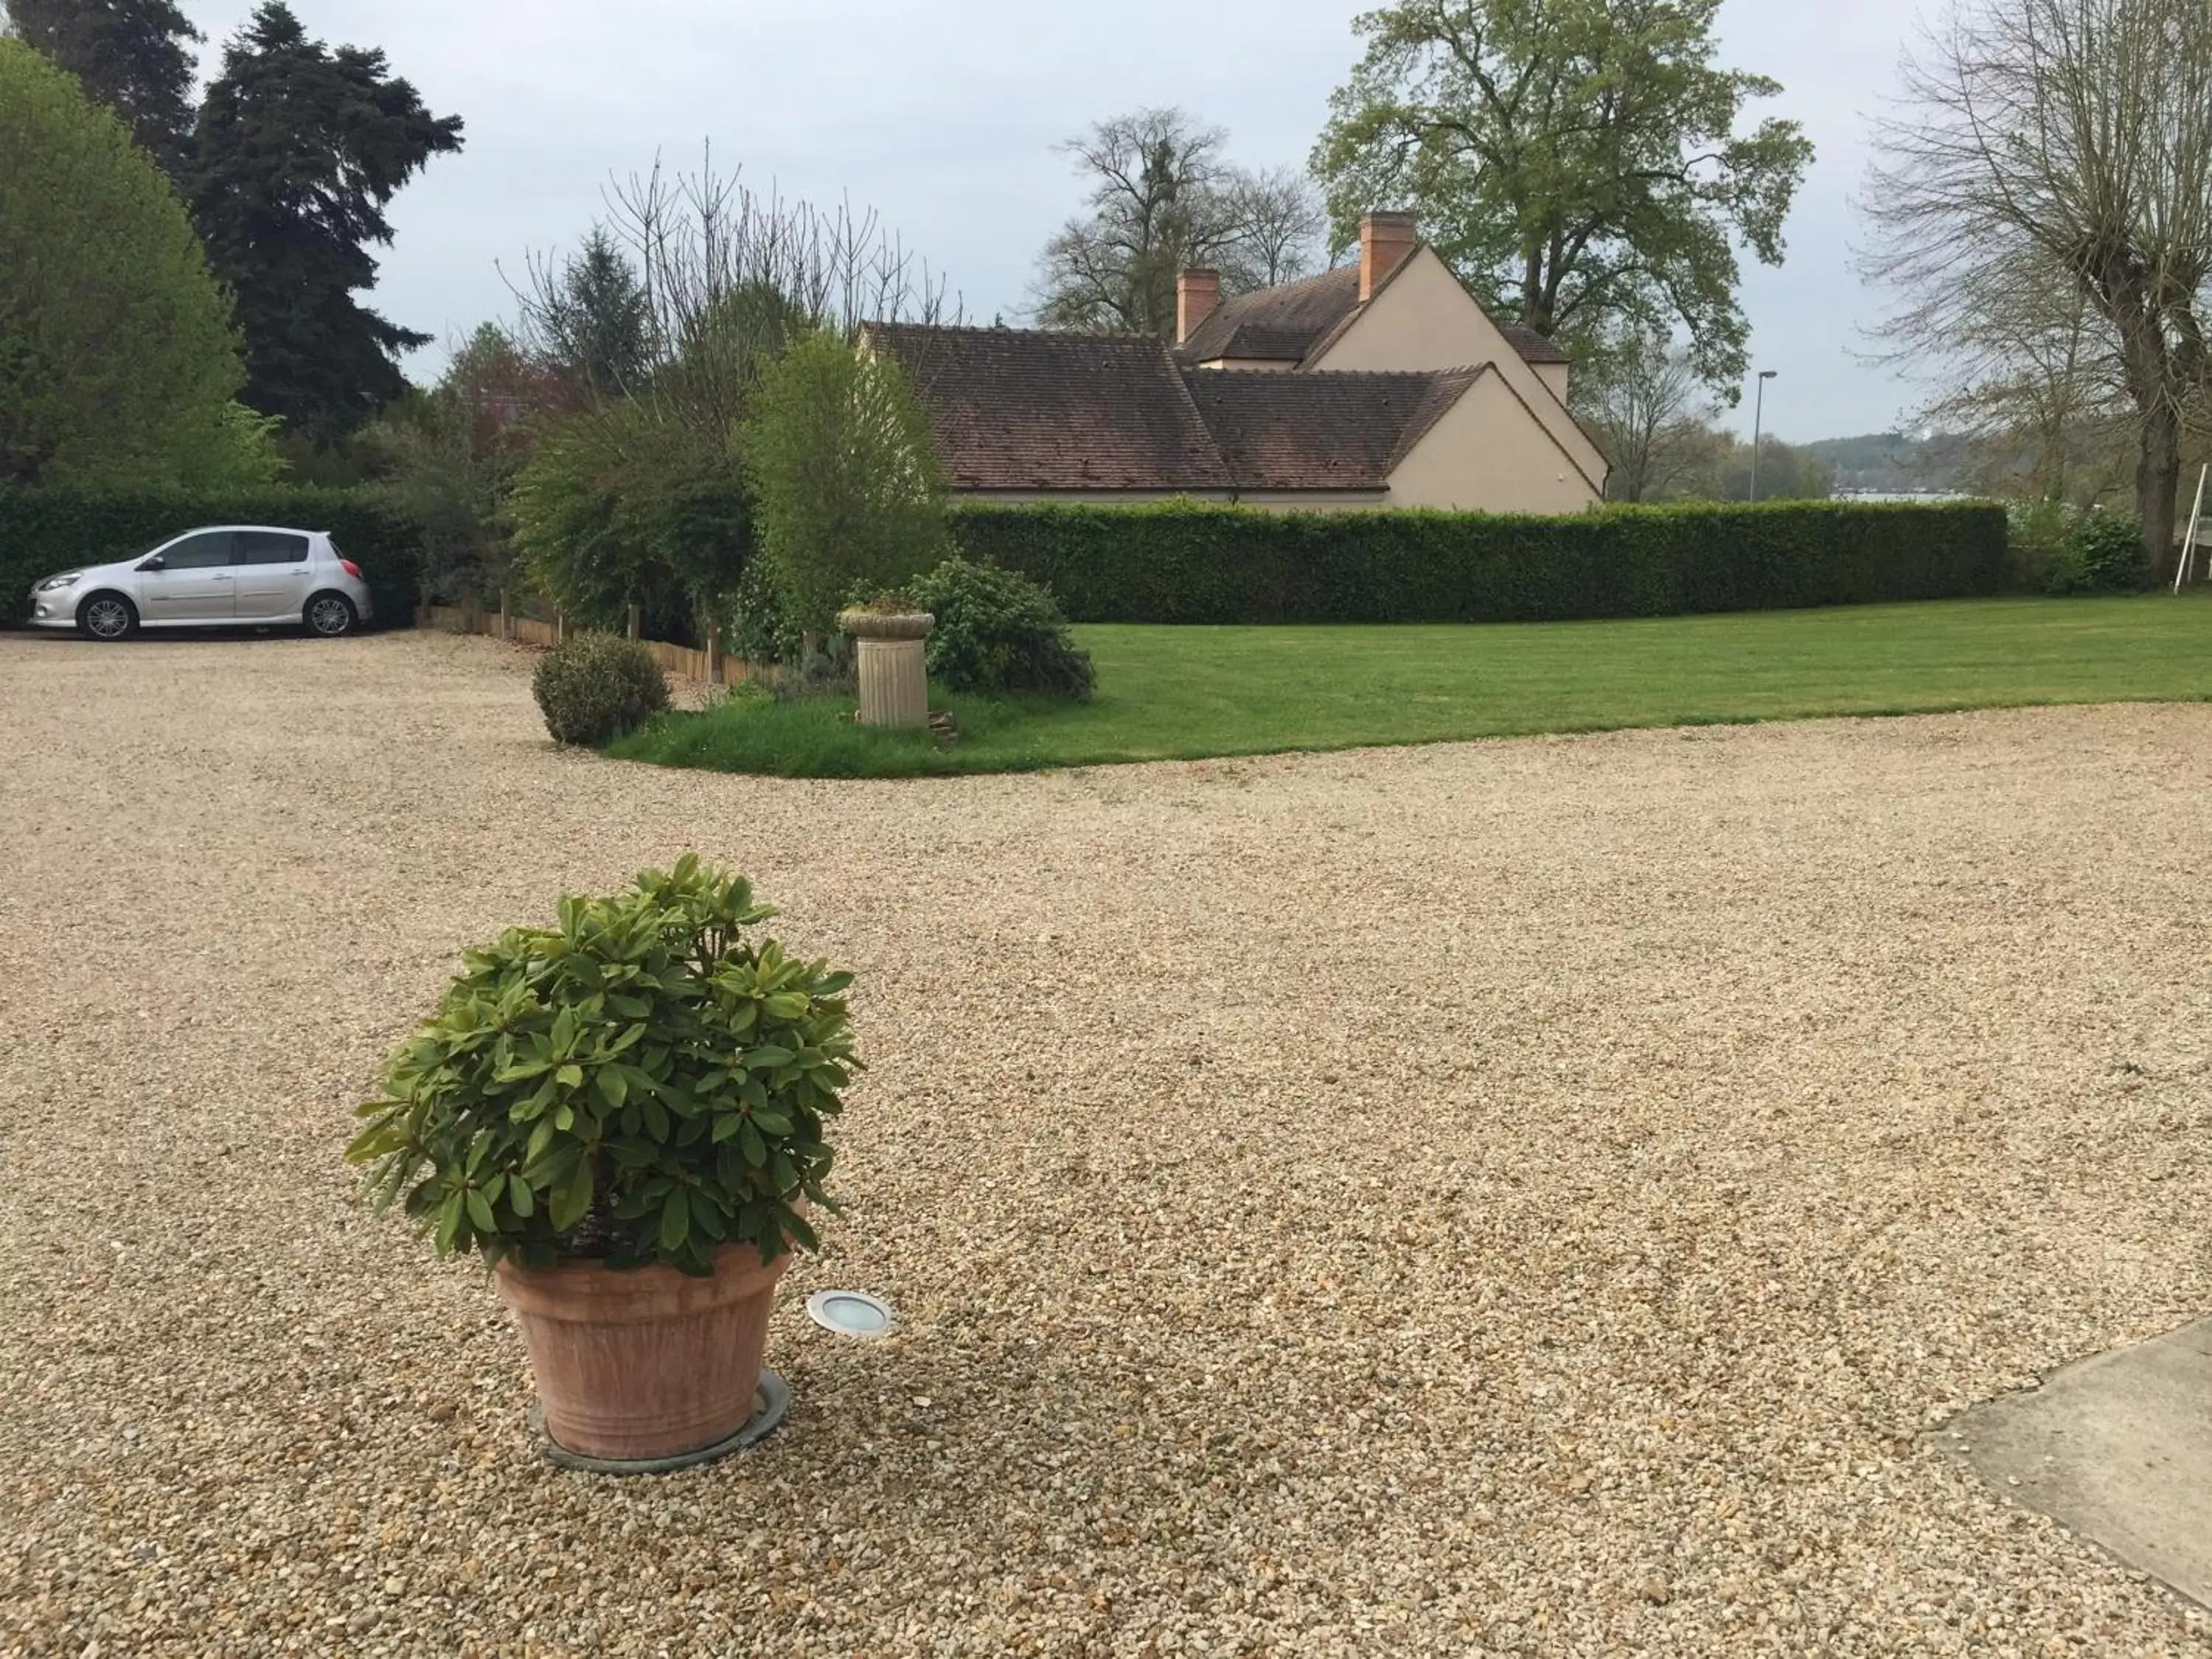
(330, 615)
(107, 616)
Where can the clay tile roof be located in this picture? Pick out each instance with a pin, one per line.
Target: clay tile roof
(1281, 323)
(1018, 409)
(1291, 324)
(1013, 409)
(1342, 431)
(1532, 347)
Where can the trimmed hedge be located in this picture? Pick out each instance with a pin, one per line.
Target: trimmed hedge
(49, 529)
(1187, 562)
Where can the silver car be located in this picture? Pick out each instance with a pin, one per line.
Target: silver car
(224, 576)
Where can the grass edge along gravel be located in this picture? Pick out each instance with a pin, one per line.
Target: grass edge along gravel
(1192, 693)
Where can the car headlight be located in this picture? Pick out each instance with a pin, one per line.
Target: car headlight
(54, 584)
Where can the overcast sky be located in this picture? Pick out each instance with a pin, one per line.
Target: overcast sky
(942, 114)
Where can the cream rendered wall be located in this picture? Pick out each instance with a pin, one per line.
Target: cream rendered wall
(1315, 501)
(1487, 455)
(1424, 319)
(1275, 501)
(1080, 497)
(1554, 375)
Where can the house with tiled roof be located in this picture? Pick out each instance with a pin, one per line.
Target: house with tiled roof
(1379, 384)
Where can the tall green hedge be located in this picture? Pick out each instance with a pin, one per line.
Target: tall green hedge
(1184, 562)
(49, 529)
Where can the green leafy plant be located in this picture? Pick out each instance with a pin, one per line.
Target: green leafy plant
(2036, 533)
(622, 506)
(118, 363)
(2105, 555)
(598, 686)
(646, 1082)
(847, 487)
(997, 630)
(755, 625)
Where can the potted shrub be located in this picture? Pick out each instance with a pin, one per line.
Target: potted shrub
(624, 1114)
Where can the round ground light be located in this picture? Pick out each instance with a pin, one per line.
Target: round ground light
(852, 1313)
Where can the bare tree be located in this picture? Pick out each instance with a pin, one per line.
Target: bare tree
(730, 278)
(1161, 199)
(2044, 203)
(1283, 222)
(2032, 375)
(1646, 406)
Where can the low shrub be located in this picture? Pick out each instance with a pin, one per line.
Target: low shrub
(54, 527)
(660, 1087)
(1187, 562)
(757, 626)
(594, 687)
(2105, 555)
(997, 630)
(2036, 533)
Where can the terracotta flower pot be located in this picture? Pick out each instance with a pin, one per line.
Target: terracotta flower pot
(647, 1362)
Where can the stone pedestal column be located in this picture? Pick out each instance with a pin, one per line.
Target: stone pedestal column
(894, 683)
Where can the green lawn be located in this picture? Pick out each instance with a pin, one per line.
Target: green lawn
(1180, 693)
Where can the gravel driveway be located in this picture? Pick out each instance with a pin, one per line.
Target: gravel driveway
(1517, 1197)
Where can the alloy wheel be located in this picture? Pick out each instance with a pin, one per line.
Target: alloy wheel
(107, 619)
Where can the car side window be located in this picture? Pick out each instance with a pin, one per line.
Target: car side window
(208, 550)
(269, 547)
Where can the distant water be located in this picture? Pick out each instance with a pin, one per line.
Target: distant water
(1902, 495)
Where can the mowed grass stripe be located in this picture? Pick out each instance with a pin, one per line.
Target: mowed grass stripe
(1188, 693)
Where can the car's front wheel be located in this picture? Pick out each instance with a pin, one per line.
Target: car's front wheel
(107, 616)
(330, 615)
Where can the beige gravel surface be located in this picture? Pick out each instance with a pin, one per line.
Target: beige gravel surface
(1523, 1197)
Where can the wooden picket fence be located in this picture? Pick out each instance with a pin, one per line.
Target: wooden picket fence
(707, 667)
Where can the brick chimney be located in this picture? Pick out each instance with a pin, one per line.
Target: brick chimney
(1197, 293)
(1385, 239)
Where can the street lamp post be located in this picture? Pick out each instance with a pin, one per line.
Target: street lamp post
(1758, 427)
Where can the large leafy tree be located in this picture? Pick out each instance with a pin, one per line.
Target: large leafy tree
(1577, 161)
(1163, 198)
(300, 148)
(118, 360)
(134, 56)
(2045, 201)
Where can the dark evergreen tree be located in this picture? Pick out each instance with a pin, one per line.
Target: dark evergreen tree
(597, 322)
(300, 148)
(134, 56)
